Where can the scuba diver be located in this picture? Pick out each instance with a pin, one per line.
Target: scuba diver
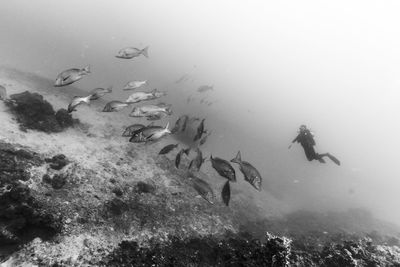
(306, 139)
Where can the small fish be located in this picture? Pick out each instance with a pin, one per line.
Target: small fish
(3, 93)
(205, 88)
(70, 76)
(250, 173)
(131, 52)
(189, 99)
(99, 92)
(203, 188)
(149, 133)
(134, 85)
(182, 78)
(200, 131)
(226, 193)
(167, 149)
(77, 100)
(184, 124)
(115, 106)
(204, 139)
(178, 158)
(131, 129)
(224, 168)
(151, 110)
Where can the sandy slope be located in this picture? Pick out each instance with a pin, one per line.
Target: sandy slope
(98, 155)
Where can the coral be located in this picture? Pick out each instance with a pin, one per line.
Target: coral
(57, 162)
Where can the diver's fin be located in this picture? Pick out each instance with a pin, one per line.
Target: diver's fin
(335, 160)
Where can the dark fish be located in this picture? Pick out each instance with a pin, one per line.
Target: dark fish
(3, 93)
(184, 124)
(226, 193)
(224, 168)
(180, 124)
(178, 158)
(205, 88)
(250, 173)
(167, 149)
(131, 129)
(200, 131)
(198, 161)
(204, 139)
(203, 188)
(186, 151)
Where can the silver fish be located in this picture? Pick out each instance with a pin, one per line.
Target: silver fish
(134, 85)
(131, 52)
(99, 92)
(70, 76)
(77, 100)
(143, 96)
(114, 106)
(149, 133)
(129, 131)
(3, 93)
(250, 173)
(151, 110)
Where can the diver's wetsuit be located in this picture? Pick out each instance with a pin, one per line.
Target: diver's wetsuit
(306, 140)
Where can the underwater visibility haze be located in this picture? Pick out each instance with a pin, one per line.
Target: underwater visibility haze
(160, 119)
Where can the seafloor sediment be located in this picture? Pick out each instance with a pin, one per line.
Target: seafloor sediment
(82, 195)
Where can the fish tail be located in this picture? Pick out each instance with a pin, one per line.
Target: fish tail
(145, 52)
(238, 158)
(168, 109)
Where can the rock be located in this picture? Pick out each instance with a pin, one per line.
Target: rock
(57, 162)
(33, 112)
(143, 187)
(117, 206)
(117, 191)
(58, 181)
(46, 179)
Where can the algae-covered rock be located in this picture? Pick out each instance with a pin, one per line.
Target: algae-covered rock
(34, 112)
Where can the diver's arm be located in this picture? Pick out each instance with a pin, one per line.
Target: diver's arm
(294, 140)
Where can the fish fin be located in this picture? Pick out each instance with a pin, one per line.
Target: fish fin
(86, 69)
(145, 52)
(166, 128)
(238, 158)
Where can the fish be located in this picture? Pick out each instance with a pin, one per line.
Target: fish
(3, 93)
(205, 88)
(204, 139)
(180, 124)
(167, 149)
(131, 129)
(149, 133)
(154, 117)
(183, 78)
(178, 158)
(131, 52)
(250, 173)
(144, 96)
(96, 93)
(77, 100)
(115, 106)
(224, 168)
(200, 131)
(198, 161)
(202, 188)
(134, 85)
(189, 99)
(226, 193)
(70, 76)
(151, 110)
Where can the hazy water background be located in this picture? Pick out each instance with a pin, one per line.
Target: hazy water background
(274, 65)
